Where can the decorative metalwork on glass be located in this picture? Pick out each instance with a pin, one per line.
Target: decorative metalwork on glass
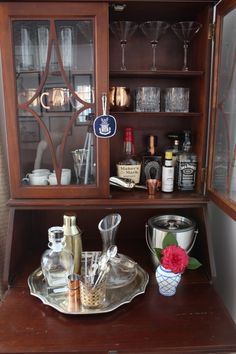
(54, 65)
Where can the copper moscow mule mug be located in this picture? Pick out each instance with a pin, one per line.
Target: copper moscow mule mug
(119, 98)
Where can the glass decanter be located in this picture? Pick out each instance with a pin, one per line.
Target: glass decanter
(122, 268)
(56, 262)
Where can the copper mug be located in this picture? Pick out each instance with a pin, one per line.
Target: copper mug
(119, 98)
(56, 98)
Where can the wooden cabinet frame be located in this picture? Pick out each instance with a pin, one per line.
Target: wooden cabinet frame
(195, 320)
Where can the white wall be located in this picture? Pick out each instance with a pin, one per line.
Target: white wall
(223, 240)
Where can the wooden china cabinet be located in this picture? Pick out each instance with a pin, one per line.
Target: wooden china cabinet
(58, 60)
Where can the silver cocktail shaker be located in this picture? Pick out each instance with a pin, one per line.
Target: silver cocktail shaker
(73, 239)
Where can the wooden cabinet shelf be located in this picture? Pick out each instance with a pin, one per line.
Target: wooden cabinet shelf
(135, 199)
(157, 114)
(156, 74)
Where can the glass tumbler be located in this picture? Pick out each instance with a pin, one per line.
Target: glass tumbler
(92, 296)
(177, 99)
(43, 40)
(66, 40)
(27, 55)
(148, 99)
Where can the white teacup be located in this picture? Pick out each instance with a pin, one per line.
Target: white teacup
(65, 177)
(41, 172)
(65, 171)
(36, 180)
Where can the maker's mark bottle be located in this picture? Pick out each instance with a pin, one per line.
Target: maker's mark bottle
(129, 167)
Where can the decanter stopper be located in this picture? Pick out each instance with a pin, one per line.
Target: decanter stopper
(73, 239)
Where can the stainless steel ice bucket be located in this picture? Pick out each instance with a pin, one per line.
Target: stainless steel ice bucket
(184, 229)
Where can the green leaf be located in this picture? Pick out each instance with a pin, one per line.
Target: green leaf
(158, 253)
(169, 240)
(193, 263)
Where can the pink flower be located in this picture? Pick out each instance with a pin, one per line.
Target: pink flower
(174, 258)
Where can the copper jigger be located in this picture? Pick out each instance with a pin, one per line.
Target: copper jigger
(73, 292)
(119, 98)
(152, 185)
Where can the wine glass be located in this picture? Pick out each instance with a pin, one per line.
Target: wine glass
(185, 31)
(153, 30)
(123, 30)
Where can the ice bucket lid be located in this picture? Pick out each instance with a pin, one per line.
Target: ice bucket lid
(171, 223)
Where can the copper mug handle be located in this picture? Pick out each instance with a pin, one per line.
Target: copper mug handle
(41, 100)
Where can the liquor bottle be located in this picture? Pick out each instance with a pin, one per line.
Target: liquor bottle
(175, 147)
(129, 167)
(151, 161)
(186, 165)
(56, 262)
(73, 240)
(175, 151)
(167, 184)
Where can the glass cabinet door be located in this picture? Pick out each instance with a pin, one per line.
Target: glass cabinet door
(55, 91)
(57, 99)
(223, 128)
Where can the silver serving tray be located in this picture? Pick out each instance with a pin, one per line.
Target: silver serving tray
(114, 297)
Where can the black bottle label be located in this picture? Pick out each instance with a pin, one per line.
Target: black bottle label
(186, 175)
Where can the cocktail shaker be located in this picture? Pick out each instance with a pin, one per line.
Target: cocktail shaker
(73, 239)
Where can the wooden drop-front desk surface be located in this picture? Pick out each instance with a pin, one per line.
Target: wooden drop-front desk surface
(194, 320)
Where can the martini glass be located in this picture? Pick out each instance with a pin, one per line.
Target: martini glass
(154, 30)
(123, 31)
(185, 31)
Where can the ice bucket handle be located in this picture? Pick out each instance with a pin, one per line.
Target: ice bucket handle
(152, 250)
(148, 239)
(194, 239)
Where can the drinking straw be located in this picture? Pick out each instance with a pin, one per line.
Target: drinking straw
(83, 155)
(88, 159)
(86, 270)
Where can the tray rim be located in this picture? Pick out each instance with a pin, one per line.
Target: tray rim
(143, 284)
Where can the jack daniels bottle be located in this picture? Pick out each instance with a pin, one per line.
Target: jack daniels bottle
(186, 167)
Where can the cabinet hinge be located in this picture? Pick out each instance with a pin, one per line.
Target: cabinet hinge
(211, 31)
